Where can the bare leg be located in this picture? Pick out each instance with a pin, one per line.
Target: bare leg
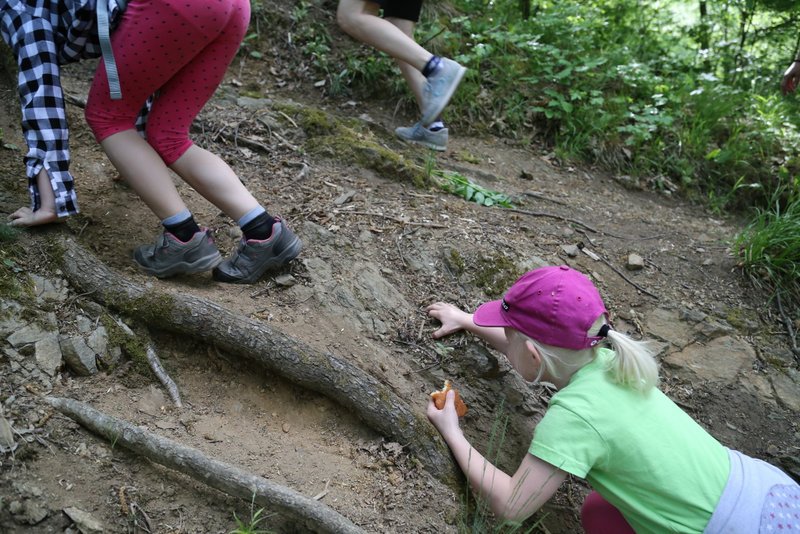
(360, 19)
(413, 76)
(145, 171)
(210, 176)
(46, 213)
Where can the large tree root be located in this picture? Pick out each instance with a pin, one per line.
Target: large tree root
(231, 480)
(327, 373)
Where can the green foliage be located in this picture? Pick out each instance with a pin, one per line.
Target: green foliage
(251, 525)
(769, 247)
(459, 185)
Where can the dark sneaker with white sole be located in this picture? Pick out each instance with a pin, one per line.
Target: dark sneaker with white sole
(420, 135)
(170, 256)
(253, 258)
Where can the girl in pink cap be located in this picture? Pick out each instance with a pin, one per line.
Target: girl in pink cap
(652, 468)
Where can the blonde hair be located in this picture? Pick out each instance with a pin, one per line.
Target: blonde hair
(634, 364)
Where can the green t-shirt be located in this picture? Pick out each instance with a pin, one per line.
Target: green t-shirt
(641, 452)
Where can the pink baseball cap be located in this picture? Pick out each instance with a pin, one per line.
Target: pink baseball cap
(553, 305)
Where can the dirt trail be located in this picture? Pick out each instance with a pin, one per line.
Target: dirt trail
(377, 251)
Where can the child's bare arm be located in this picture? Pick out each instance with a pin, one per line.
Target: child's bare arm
(513, 498)
(454, 319)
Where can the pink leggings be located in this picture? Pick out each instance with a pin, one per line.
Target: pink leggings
(179, 48)
(598, 516)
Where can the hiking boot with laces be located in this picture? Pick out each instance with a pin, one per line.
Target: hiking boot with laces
(170, 256)
(254, 257)
(436, 140)
(439, 88)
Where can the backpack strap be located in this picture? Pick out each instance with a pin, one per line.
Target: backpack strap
(104, 33)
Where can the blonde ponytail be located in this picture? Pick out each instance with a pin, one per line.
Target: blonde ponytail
(634, 363)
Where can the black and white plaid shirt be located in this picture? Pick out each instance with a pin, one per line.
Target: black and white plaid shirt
(44, 34)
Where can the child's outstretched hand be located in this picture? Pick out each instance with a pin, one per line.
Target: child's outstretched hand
(28, 217)
(452, 318)
(446, 419)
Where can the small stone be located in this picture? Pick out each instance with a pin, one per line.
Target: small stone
(635, 262)
(570, 250)
(285, 428)
(6, 434)
(285, 280)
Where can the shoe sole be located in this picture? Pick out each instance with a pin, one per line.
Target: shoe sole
(432, 114)
(438, 148)
(201, 265)
(288, 254)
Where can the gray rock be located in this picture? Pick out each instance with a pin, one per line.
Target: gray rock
(720, 360)
(665, 325)
(635, 262)
(47, 290)
(10, 324)
(691, 316)
(247, 102)
(28, 512)
(27, 335)
(710, 329)
(86, 522)
(285, 280)
(47, 352)
(85, 324)
(480, 361)
(571, 250)
(6, 434)
(787, 389)
(98, 341)
(79, 357)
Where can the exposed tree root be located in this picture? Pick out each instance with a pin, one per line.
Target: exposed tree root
(229, 479)
(163, 377)
(325, 372)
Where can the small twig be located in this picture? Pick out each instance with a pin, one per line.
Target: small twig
(542, 197)
(322, 493)
(552, 216)
(620, 273)
(158, 369)
(136, 510)
(395, 219)
(787, 322)
(288, 118)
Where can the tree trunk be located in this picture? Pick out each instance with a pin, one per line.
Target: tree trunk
(229, 479)
(325, 372)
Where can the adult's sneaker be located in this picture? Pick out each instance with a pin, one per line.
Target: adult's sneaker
(254, 257)
(439, 88)
(436, 140)
(170, 256)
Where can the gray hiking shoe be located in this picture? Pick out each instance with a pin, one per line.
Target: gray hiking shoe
(439, 88)
(422, 136)
(253, 258)
(170, 256)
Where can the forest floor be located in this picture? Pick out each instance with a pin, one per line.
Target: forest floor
(377, 250)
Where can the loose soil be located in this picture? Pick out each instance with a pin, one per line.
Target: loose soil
(377, 250)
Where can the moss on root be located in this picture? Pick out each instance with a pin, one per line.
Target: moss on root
(350, 142)
(133, 345)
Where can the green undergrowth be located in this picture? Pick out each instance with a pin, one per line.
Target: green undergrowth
(769, 248)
